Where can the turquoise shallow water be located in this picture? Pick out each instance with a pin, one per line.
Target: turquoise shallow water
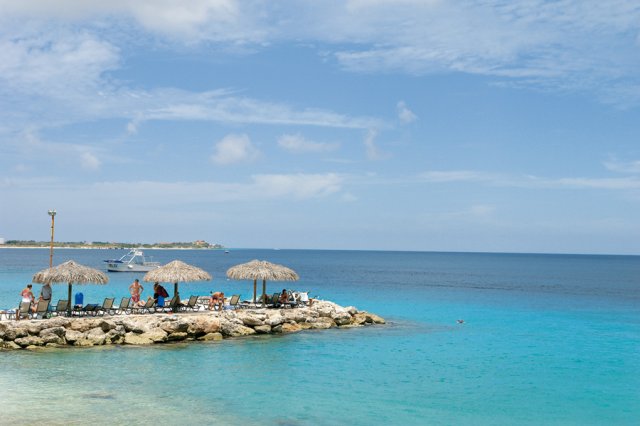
(546, 340)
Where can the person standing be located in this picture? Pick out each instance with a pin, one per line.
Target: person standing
(27, 294)
(45, 292)
(28, 297)
(136, 291)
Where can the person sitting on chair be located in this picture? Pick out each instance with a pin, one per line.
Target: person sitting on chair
(284, 297)
(159, 291)
(216, 299)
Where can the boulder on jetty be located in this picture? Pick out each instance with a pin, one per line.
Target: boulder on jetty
(148, 329)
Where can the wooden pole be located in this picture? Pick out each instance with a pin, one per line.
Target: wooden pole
(52, 213)
(254, 291)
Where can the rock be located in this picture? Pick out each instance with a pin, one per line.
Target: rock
(72, 336)
(202, 325)
(373, 318)
(341, 317)
(14, 333)
(290, 327)
(325, 311)
(262, 329)
(157, 335)
(297, 315)
(52, 338)
(274, 319)
(57, 331)
(233, 329)
(132, 338)
(3, 328)
(57, 322)
(322, 323)
(211, 336)
(251, 319)
(359, 318)
(171, 325)
(149, 328)
(29, 341)
(115, 336)
(83, 324)
(34, 327)
(96, 336)
(177, 336)
(9, 345)
(140, 323)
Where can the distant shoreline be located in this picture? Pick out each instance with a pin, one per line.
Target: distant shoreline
(106, 248)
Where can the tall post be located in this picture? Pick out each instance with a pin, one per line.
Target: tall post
(52, 213)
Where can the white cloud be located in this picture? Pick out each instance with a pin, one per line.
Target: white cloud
(298, 143)
(299, 186)
(192, 21)
(59, 65)
(632, 167)
(234, 149)
(528, 181)
(405, 115)
(458, 176)
(574, 44)
(371, 149)
(89, 161)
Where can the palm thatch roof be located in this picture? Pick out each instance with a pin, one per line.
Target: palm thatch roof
(262, 270)
(177, 271)
(70, 272)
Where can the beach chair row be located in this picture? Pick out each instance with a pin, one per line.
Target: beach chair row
(43, 310)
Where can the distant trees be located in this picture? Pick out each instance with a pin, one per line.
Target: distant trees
(200, 244)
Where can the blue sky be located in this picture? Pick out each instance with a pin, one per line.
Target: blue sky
(508, 126)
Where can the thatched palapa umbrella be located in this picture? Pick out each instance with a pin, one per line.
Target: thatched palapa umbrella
(176, 271)
(261, 270)
(72, 273)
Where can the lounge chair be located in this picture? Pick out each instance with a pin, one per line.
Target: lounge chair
(234, 302)
(24, 310)
(125, 306)
(60, 308)
(106, 308)
(41, 309)
(275, 301)
(174, 305)
(192, 304)
(88, 309)
(144, 309)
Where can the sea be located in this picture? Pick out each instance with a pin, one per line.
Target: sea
(543, 339)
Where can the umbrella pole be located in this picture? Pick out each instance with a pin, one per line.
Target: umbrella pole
(254, 291)
(175, 289)
(264, 292)
(69, 304)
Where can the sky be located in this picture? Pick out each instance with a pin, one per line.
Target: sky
(433, 125)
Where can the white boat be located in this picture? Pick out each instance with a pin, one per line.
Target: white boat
(134, 261)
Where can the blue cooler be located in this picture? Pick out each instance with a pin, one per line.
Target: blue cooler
(79, 299)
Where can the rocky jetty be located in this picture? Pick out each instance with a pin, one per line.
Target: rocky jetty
(149, 329)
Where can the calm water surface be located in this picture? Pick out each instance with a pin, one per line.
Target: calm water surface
(547, 339)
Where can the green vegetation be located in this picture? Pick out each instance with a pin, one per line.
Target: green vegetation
(111, 245)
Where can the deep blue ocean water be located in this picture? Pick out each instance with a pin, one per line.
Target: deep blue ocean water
(547, 339)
